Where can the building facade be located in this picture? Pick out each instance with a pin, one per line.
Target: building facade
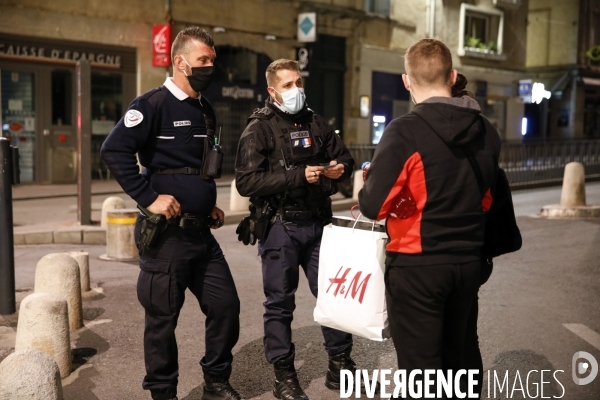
(352, 70)
(563, 52)
(41, 42)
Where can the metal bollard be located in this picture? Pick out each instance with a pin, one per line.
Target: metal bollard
(120, 241)
(7, 255)
(59, 273)
(83, 259)
(30, 374)
(44, 325)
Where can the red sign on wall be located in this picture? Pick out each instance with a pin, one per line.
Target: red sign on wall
(161, 45)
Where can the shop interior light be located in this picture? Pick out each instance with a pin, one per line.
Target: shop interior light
(378, 118)
(219, 29)
(539, 93)
(270, 37)
(524, 126)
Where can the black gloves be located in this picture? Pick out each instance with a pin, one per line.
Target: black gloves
(245, 231)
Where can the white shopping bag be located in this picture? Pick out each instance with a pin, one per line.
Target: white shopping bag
(351, 288)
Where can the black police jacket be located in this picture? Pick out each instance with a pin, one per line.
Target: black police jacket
(269, 163)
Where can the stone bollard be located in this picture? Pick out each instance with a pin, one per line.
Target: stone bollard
(111, 203)
(573, 188)
(236, 201)
(83, 259)
(358, 184)
(59, 273)
(44, 325)
(120, 240)
(29, 374)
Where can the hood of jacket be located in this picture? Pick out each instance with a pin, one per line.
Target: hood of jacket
(456, 120)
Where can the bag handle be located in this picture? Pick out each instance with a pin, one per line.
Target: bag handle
(357, 220)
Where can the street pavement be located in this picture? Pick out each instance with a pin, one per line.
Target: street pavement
(553, 281)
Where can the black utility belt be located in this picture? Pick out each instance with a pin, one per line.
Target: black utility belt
(190, 221)
(294, 214)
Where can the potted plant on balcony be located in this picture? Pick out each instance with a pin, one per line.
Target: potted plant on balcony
(593, 53)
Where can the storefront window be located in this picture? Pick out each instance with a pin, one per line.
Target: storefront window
(495, 111)
(236, 65)
(18, 117)
(107, 109)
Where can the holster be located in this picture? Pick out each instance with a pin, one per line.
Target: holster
(262, 212)
(152, 227)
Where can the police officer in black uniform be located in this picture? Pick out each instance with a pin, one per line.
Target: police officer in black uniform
(288, 162)
(171, 128)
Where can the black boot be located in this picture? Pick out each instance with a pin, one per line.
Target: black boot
(287, 386)
(338, 362)
(218, 389)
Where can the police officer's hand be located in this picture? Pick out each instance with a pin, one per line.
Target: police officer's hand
(334, 172)
(312, 173)
(165, 205)
(217, 213)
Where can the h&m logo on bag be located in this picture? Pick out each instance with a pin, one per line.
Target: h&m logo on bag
(353, 288)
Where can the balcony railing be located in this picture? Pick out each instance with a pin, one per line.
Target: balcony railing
(531, 162)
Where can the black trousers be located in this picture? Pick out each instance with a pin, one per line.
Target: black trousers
(471, 354)
(288, 246)
(428, 309)
(185, 259)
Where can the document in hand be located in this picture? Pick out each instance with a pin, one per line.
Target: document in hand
(351, 294)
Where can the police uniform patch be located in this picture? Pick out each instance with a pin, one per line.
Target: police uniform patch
(133, 118)
(299, 135)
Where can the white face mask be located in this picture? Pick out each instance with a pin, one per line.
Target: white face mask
(293, 100)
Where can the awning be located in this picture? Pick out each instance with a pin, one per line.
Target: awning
(561, 83)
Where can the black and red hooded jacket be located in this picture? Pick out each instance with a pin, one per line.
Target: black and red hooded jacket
(424, 150)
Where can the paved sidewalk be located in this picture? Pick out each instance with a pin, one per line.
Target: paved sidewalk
(46, 214)
(35, 191)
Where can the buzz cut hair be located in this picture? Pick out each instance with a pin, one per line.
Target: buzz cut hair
(279, 65)
(185, 36)
(429, 63)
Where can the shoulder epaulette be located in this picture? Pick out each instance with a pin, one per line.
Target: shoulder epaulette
(154, 97)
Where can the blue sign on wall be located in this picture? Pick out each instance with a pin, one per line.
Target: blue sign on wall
(525, 86)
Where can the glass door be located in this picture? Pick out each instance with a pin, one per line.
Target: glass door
(17, 91)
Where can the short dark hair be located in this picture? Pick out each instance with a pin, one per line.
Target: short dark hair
(278, 65)
(429, 62)
(185, 36)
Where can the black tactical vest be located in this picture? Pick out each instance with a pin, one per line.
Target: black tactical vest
(294, 145)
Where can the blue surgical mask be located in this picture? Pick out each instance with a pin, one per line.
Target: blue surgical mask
(293, 100)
